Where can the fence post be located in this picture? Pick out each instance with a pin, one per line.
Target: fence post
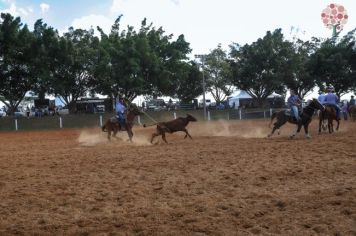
(228, 115)
(208, 115)
(270, 112)
(264, 114)
(16, 126)
(101, 120)
(175, 115)
(60, 122)
(240, 115)
(139, 120)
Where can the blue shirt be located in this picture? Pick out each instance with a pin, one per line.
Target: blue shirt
(293, 100)
(321, 98)
(331, 99)
(120, 107)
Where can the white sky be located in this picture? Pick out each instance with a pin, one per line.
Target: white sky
(205, 23)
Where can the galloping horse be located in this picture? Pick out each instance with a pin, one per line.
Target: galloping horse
(329, 113)
(306, 117)
(112, 124)
(352, 112)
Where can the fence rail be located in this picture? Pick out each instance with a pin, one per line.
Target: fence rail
(97, 120)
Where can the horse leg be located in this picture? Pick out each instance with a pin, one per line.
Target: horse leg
(338, 124)
(307, 135)
(320, 123)
(330, 125)
(325, 125)
(276, 126)
(129, 133)
(296, 131)
(109, 134)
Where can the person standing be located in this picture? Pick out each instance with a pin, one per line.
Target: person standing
(344, 109)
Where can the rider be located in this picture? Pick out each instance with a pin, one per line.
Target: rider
(352, 101)
(120, 111)
(331, 99)
(293, 103)
(321, 97)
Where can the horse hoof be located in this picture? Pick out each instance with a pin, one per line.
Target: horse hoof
(308, 137)
(291, 137)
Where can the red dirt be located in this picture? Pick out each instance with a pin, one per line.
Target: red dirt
(228, 180)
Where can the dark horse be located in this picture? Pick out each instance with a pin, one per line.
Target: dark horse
(112, 124)
(306, 117)
(329, 114)
(352, 112)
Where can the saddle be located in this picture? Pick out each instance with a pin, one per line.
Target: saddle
(289, 113)
(115, 120)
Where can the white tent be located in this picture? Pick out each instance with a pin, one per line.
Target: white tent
(244, 95)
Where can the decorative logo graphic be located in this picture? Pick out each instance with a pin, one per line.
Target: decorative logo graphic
(334, 16)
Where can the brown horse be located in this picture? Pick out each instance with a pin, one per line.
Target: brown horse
(329, 114)
(352, 112)
(306, 117)
(112, 124)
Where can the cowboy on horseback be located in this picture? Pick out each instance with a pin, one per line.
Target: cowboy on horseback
(293, 103)
(120, 109)
(321, 97)
(331, 99)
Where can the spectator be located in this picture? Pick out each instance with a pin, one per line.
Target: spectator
(28, 112)
(344, 109)
(352, 101)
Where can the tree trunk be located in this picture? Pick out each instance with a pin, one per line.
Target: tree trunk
(72, 107)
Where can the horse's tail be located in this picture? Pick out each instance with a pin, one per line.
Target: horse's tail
(103, 128)
(144, 125)
(272, 118)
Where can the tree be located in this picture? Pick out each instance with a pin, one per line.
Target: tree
(16, 67)
(188, 84)
(74, 63)
(333, 63)
(218, 74)
(258, 68)
(138, 63)
(299, 78)
(46, 44)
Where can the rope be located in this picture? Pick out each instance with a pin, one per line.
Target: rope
(149, 117)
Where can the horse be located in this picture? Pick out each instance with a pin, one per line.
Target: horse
(306, 117)
(352, 112)
(329, 114)
(113, 125)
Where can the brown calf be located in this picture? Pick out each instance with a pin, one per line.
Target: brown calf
(172, 126)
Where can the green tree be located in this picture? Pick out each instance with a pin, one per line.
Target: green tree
(16, 66)
(218, 74)
(333, 63)
(74, 61)
(188, 84)
(299, 78)
(46, 44)
(140, 62)
(258, 68)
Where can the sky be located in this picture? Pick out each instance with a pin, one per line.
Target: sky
(204, 23)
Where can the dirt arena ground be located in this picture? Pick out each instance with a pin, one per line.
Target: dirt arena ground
(228, 180)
